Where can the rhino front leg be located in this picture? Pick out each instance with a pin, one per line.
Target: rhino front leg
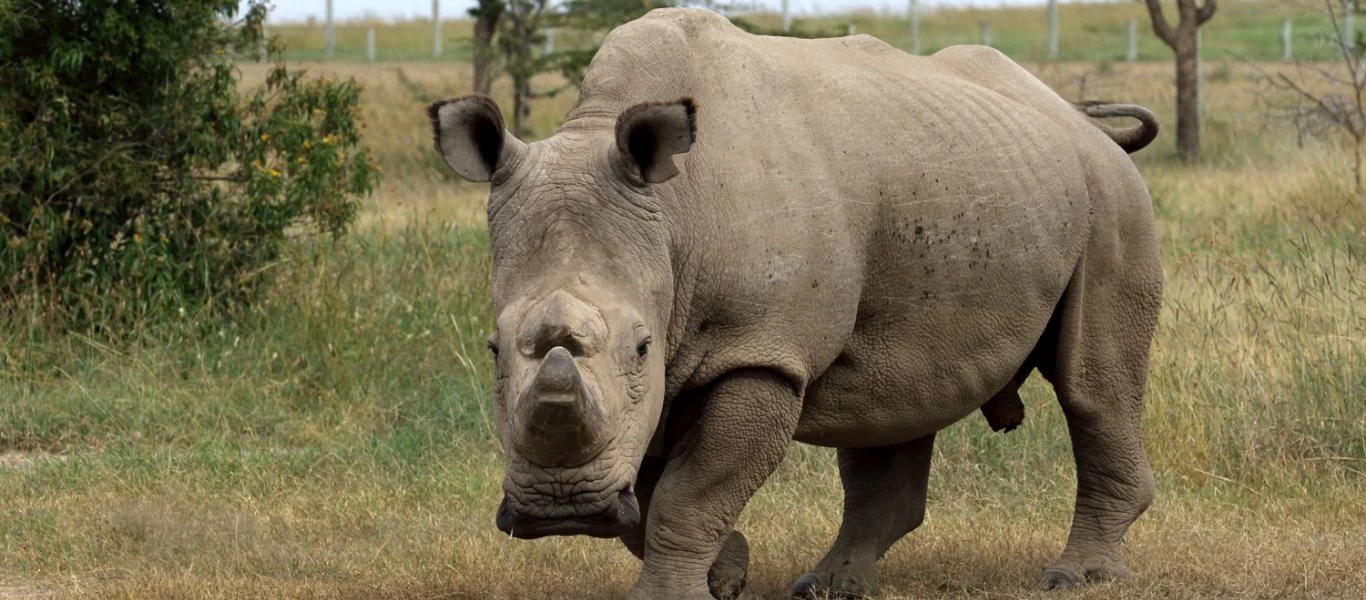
(884, 499)
(745, 424)
(726, 578)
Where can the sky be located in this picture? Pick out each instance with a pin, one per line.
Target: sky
(299, 10)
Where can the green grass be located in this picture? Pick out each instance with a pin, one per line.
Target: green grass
(361, 337)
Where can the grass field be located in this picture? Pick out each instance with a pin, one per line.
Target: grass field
(336, 442)
(1087, 32)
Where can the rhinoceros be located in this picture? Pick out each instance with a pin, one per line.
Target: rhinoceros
(736, 241)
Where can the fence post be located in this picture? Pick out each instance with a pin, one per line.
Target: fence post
(1348, 31)
(984, 32)
(787, 15)
(264, 50)
(1132, 54)
(914, 9)
(1287, 53)
(328, 40)
(1052, 29)
(370, 44)
(436, 28)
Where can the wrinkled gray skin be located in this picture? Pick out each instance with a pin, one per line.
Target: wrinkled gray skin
(737, 241)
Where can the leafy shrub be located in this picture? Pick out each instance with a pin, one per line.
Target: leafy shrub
(135, 178)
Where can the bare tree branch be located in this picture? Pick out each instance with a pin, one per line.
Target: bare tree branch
(1335, 113)
(1313, 114)
(1161, 28)
(1353, 62)
(1206, 11)
(1323, 73)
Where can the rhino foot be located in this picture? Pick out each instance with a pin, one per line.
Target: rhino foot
(1064, 576)
(1054, 579)
(726, 578)
(813, 587)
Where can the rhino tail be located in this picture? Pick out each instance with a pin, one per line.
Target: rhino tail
(1132, 138)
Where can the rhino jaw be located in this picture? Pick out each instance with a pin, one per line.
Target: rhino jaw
(619, 517)
(559, 423)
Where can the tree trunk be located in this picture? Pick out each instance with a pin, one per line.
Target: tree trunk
(521, 85)
(1185, 43)
(523, 20)
(488, 14)
(521, 105)
(1187, 96)
(484, 29)
(1360, 146)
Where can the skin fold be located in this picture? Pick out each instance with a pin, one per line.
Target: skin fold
(735, 241)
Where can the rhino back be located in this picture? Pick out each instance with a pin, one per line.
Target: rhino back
(853, 213)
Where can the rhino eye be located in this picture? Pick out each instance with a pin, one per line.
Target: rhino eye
(493, 347)
(643, 348)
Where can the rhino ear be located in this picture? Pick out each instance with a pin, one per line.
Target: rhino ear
(470, 136)
(649, 134)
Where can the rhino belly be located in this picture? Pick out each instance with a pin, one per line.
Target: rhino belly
(937, 335)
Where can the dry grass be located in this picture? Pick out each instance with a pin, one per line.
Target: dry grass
(335, 534)
(336, 444)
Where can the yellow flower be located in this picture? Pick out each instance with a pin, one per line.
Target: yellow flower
(307, 144)
(272, 172)
(330, 139)
(303, 161)
(265, 137)
(341, 155)
(137, 238)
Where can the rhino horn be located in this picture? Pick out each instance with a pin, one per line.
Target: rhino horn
(560, 423)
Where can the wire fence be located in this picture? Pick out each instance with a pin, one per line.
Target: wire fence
(1037, 33)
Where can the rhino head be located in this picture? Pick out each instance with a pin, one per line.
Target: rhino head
(582, 294)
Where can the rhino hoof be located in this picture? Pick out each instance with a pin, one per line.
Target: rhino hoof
(725, 589)
(1054, 579)
(726, 579)
(806, 586)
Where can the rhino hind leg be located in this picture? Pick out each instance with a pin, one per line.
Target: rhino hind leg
(884, 499)
(1104, 333)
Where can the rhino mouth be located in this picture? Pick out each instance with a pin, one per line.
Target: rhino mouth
(614, 520)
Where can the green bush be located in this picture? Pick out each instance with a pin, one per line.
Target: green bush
(137, 180)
